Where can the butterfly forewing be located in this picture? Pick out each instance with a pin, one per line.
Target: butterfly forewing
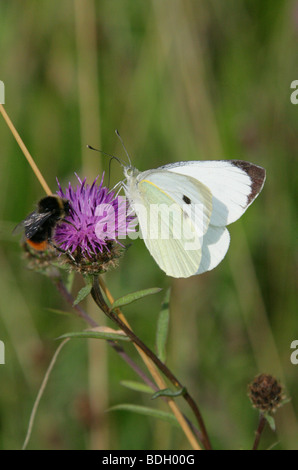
(193, 198)
(159, 225)
(174, 215)
(234, 185)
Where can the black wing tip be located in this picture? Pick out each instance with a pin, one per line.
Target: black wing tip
(257, 175)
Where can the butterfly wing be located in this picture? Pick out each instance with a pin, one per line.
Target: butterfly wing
(234, 185)
(215, 246)
(223, 189)
(174, 213)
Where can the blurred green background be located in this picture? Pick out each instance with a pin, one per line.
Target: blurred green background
(181, 80)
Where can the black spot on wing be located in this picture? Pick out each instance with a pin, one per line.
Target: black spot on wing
(186, 199)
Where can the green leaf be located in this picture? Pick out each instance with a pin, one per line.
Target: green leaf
(167, 392)
(144, 410)
(285, 401)
(97, 335)
(163, 327)
(59, 312)
(129, 298)
(270, 420)
(137, 386)
(83, 293)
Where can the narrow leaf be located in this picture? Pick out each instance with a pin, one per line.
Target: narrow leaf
(167, 392)
(163, 327)
(137, 386)
(285, 401)
(58, 312)
(144, 410)
(129, 298)
(83, 293)
(97, 335)
(270, 421)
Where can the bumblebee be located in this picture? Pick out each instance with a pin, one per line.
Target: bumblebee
(40, 224)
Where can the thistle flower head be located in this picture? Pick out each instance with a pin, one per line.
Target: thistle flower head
(98, 217)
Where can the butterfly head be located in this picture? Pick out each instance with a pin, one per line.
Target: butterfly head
(130, 172)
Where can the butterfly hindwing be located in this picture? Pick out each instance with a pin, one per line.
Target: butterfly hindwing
(172, 229)
(215, 246)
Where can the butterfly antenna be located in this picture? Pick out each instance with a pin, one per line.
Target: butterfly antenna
(122, 163)
(110, 162)
(122, 143)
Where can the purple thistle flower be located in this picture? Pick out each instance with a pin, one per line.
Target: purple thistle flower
(97, 218)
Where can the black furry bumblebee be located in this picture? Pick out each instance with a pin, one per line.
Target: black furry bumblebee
(39, 225)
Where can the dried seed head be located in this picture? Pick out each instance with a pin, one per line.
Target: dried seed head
(97, 263)
(41, 261)
(265, 393)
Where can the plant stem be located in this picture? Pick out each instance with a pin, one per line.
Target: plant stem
(116, 346)
(262, 422)
(98, 298)
(187, 427)
(25, 151)
(69, 298)
(82, 314)
(40, 393)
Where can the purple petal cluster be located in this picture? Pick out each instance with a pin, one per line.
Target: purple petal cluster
(97, 217)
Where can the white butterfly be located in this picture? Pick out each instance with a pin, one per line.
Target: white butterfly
(202, 197)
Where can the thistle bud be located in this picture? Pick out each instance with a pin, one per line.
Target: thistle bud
(265, 393)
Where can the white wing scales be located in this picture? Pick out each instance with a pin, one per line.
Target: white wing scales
(215, 246)
(220, 190)
(234, 185)
(172, 258)
(190, 195)
(171, 231)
